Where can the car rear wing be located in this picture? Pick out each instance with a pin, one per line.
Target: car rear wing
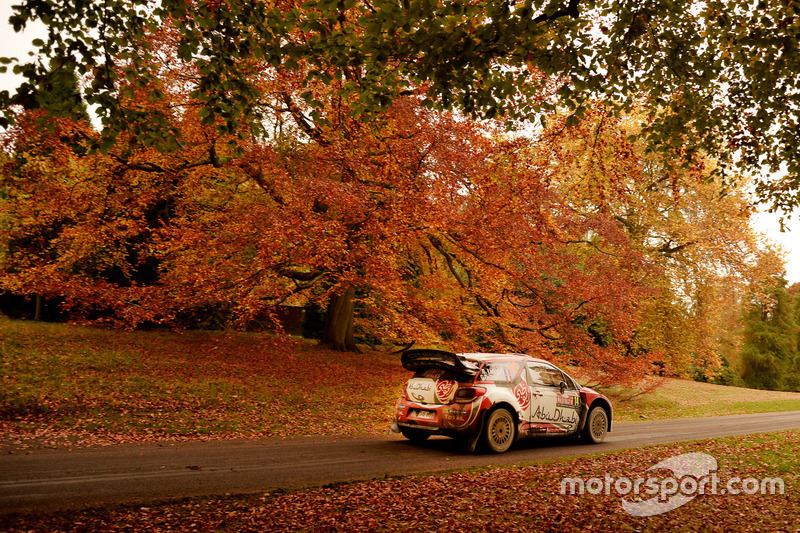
(414, 360)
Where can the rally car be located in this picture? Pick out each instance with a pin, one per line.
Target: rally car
(495, 399)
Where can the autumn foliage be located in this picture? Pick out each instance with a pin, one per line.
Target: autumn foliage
(74, 385)
(412, 227)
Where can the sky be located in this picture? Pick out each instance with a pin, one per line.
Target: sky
(768, 224)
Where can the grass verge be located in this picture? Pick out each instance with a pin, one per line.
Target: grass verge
(64, 383)
(679, 398)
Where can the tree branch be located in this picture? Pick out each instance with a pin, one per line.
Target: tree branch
(571, 11)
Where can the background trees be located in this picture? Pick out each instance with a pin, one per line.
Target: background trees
(302, 162)
(421, 227)
(719, 77)
(769, 357)
(692, 228)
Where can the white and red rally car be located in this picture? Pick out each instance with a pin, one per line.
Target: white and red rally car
(496, 399)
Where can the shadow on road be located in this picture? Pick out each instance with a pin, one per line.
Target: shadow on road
(450, 446)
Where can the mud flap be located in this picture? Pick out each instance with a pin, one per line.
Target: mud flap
(582, 421)
(472, 442)
(393, 429)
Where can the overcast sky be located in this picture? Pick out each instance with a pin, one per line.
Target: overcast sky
(18, 45)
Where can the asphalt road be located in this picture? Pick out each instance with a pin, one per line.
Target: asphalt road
(50, 480)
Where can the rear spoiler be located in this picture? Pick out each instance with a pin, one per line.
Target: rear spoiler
(417, 359)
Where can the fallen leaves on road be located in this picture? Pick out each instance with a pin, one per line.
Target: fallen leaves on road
(518, 498)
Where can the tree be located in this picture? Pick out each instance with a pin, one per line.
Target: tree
(405, 224)
(435, 226)
(692, 227)
(85, 227)
(769, 353)
(79, 227)
(438, 228)
(718, 76)
(60, 96)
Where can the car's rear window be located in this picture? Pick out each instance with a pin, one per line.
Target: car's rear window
(501, 371)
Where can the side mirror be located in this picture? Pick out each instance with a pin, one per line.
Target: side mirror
(562, 386)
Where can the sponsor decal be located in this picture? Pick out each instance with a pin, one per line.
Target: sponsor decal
(523, 394)
(567, 400)
(459, 418)
(419, 389)
(445, 388)
(558, 416)
(533, 428)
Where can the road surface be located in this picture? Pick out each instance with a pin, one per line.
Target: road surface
(50, 480)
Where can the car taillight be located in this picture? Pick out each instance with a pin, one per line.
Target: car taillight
(467, 394)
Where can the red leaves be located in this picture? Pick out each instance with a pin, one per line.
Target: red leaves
(447, 231)
(93, 386)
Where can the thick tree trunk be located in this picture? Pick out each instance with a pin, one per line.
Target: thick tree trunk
(338, 332)
(37, 313)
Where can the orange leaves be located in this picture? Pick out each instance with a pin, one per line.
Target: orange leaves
(91, 386)
(694, 243)
(449, 230)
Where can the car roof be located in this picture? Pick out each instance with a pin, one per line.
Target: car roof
(480, 357)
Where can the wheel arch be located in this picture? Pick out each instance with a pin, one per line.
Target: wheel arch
(502, 405)
(473, 441)
(598, 402)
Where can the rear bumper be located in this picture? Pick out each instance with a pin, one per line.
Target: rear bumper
(448, 419)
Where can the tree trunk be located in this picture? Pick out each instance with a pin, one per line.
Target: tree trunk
(37, 314)
(338, 332)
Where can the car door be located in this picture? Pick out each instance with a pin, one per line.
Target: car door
(555, 405)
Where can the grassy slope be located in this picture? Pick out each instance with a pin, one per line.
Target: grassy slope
(676, 398)
(63, 383)
(82, 384)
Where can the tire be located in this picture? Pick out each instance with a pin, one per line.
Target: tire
(596, 425)
(415, 435)
(500, 431)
